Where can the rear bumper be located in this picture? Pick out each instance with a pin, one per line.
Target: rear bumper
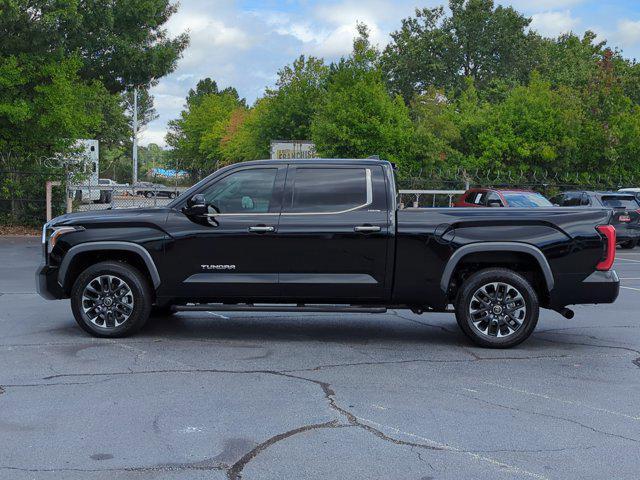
(599, 287)
(47, 283)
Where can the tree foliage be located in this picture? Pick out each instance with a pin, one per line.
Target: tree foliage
(357, 117)
(478, 40)
(197, 134)
(119, 42)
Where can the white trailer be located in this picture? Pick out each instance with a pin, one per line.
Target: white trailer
(86, 189)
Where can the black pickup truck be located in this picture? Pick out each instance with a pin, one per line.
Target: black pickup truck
(326, 235)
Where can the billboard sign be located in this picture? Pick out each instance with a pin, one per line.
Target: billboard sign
(285, 149)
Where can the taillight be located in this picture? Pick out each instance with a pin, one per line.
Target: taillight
(609, 233)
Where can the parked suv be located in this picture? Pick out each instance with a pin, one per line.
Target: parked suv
(626, 211)
(488, 197)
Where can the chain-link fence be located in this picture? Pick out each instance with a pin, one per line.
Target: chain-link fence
(100, 197)
(23, 199)
(438, 187)
(23, 193)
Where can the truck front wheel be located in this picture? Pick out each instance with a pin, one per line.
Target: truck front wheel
(497, 308)
(111, 299)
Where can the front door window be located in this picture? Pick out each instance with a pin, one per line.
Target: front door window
(247, 191)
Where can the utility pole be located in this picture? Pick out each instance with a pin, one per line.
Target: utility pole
(135, 135)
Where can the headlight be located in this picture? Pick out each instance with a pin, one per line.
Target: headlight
(50, 235)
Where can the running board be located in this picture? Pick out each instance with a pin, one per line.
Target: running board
(220, 307)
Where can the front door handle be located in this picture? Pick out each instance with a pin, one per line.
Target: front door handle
(261, 229)
(367, 228)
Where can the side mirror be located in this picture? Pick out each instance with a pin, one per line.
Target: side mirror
(196, 205)
(494, 203)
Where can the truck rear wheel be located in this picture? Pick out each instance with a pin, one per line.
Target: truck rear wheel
(497, 308)
(111, 299)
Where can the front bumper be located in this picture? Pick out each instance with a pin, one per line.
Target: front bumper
(47, 283)
(599, 287)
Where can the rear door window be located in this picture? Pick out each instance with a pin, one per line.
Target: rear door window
(477, 198)
(330, 190)
(572, 200)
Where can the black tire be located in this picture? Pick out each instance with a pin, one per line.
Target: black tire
(480, 285)
(628, 245)
(172, 195)
(140, 297)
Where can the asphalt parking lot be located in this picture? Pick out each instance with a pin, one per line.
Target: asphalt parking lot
(316, 396)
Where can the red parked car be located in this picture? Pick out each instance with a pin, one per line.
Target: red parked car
(489, 197)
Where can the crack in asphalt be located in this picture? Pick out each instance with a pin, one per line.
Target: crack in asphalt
(423, 360)
(573, 403)
(234, 472)
(206, 465)
(541, 450)
(636, 361)
(555, 417)
(351, 418)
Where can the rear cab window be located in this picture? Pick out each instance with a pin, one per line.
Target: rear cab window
(620, 201)
(319, 189)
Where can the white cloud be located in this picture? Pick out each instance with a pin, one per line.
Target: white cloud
(554, 23)
(536, 5)
(155, 135)
(628, 31)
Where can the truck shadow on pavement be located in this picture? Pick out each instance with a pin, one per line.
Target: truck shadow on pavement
(342, 328)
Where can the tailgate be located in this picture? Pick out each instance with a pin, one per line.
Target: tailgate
(626, 211)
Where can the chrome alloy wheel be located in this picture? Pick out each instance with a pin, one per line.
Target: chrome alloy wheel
(107, 301)
(497, 309)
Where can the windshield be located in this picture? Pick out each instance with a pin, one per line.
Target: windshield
(526, 199)
(619, 201)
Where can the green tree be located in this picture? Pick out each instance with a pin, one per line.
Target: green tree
(357, 117)
(292, 104)
(285, 112)
(435, 131)
(45, 106)
(196, 136)
(535, 128)
(609, 142)
(242, 140)
(478, 40)
(119, 42)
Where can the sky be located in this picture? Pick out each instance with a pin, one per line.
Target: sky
(244, 43)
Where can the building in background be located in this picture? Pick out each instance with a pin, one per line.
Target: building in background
(292, 149)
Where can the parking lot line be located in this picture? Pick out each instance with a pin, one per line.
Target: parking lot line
(631, 288)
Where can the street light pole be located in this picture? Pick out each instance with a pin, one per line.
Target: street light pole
(135, 135)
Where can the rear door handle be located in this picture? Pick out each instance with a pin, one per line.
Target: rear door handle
(367, 228)
(261, 229)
